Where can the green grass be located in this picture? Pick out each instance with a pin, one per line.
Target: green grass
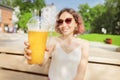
(98, 37)
(102, 37)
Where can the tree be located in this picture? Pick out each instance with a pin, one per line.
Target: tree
(39, 4)
(90, 14)
(115, 5)
(26, 9)
(84, 11)
(105, 15)
(29, 5)
(23, 21)
(97, 22)
(110, 18)
(7, 2)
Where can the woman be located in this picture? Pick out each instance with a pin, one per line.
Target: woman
(69, 53)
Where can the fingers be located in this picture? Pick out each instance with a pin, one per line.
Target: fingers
(27, 57)
(27, 53)
(27, 43)
(27, 50)
(47, 49)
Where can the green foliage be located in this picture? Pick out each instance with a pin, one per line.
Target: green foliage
(29, 6)
(98, 11)
(84, 11)
(114, 6)
(38, 4)
(26, 9)
(7, 2)
(100, 16)
(23, 20)
(90, 14)
(107, 19)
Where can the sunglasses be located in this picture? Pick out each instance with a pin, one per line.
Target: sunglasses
(67, 21)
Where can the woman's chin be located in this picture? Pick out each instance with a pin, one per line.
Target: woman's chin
(65, 33)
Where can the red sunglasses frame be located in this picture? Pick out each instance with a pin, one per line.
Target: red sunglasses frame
(67, 21)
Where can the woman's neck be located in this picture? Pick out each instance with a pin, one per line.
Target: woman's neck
(67, 38)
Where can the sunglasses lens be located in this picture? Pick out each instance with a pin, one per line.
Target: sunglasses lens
(60, 21)
(68, 20)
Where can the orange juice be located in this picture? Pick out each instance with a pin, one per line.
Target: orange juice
(37, 40)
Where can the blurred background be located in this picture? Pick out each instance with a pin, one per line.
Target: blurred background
(102, 24)
(101, 17)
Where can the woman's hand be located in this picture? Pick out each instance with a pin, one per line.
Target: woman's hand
(27, 51)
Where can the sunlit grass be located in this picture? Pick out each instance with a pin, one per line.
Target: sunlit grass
(97, 37)
(102, 37)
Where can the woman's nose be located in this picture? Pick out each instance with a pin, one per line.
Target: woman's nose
(64, 24)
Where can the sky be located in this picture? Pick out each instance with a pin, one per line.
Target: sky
(60, 4)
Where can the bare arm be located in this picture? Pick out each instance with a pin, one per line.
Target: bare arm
(47, 54)
(83, 63)
(49, 49)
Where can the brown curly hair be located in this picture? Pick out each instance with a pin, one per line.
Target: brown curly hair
(78, 19)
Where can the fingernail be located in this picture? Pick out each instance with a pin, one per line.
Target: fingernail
(29, 51)
(27, 43)
(29, 58)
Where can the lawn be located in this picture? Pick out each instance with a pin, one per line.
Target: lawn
(102, 37)
(98, 37)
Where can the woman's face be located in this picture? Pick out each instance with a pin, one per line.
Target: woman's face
(66, 23)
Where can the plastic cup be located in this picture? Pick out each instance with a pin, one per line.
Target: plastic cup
(37, 39)
(38, 28)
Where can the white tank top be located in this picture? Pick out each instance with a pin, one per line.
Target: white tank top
(64, 65)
